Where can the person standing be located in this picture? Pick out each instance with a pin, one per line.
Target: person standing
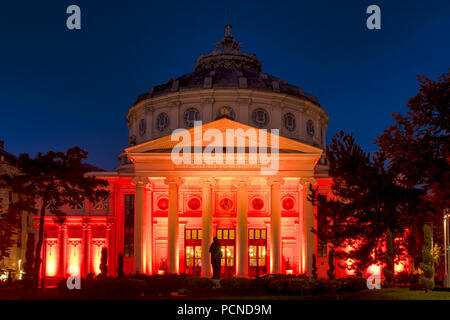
(216, 255)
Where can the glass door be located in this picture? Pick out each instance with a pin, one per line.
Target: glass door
(257, 252)
(193, 251)
(227, 240)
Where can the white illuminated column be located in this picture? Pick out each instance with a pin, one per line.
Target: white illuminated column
(242, 229)
(207, 226)
(62, 250)
(275, 230)
(172, 243)
(309, 243)
(139, 225)
(149, 230)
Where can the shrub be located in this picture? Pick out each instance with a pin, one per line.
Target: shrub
(200, 285)
(427, 277)
(351, 284)
(236, 285)
(164, 284)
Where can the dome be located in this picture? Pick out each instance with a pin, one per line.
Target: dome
(227, 67)
(227, 82)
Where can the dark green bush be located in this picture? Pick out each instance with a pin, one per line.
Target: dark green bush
(350, 284)
(236, 286)
(200, 286)
(164, 284)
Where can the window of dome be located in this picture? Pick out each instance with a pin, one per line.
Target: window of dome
(162, 121)
(142, 127)
(310, 128)
(163, 203)
(191, 115)
(288, 203)
(226, 112)
(289, 121)
(257, 204)
(226, 204)
(260, 117)
(194, 203)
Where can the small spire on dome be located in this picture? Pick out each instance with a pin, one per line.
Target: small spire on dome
(228, 28)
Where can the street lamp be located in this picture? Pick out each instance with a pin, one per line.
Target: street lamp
(446, 248)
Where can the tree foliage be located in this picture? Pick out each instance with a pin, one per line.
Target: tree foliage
(417, 146)
(367, 201)
(51, 182)
(402, 185)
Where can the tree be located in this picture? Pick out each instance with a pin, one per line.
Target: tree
(417, 146)
(367, 201)
(29, 256)
(51, 181)
(417, 149)
(388, 270)
(427, 277)
(10, 217)
(330, 271)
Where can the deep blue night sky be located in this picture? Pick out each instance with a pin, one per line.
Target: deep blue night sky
(60, 88)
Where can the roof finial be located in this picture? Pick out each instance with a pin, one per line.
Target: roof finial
(228, 30)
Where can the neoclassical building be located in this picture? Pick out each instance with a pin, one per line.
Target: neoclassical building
(162, 214)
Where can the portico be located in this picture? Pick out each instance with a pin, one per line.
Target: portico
(232, 197)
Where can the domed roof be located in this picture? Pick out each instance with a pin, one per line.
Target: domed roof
(227, 68)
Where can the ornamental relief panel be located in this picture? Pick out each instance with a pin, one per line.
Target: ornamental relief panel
(258, 203)
(289, 202)
(225, 203)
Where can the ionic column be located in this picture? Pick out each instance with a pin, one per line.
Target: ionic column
(139, 225)
(62, 239)
(309, 243)
(110, 245)
(207, 226)
(148, 239)
(172, 239)
(275, 219)
(84, 263)
(242, 229)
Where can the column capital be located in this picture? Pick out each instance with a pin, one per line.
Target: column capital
(86, 225)
(309, 180)
(209, 181)
(139, 181)
(174, 180)
(62, 226)
(239, 181)
(274, 180)
(109, 225)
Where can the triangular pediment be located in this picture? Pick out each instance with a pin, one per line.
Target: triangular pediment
(229, 130)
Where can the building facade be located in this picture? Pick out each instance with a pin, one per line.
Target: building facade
(162, 214)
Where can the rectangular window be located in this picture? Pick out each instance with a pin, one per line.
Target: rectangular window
(129, 226)
(321, 227)
(193, 251)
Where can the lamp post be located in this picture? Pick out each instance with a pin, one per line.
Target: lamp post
(446, 248)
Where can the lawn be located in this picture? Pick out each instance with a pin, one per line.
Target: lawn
(399, 294)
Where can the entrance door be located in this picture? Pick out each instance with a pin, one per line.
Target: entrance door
(193, 251)
(257, 252)
(227, 240)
